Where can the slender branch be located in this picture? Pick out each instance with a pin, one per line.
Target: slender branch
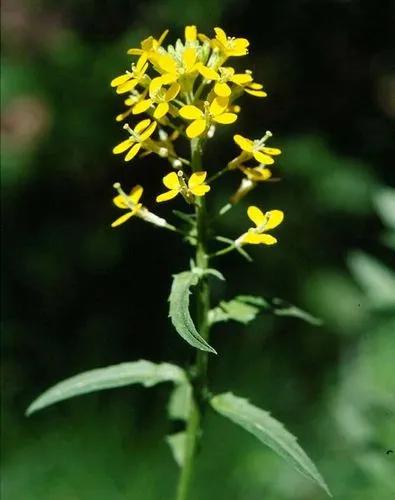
(218, 174)
(224, 251)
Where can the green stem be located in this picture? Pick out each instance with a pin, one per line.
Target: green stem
(193, 430)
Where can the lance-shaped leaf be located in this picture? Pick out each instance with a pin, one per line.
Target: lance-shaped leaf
(179, 310)
(137, 372)
(245, 308)
(269, 431)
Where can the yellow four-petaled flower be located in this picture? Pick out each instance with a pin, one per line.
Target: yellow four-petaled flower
(176, 184)
(263, 222)
(130, 202)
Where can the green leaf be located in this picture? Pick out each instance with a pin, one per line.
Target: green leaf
(137, 372)
(269, 431)
(179, 310)
(377, 280)
(245, 308)
(385, 204)
(235, 310)
(177, 446)
(180, 402)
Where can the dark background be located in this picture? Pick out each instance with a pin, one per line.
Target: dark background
(79, 295)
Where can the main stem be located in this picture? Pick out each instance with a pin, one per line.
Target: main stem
(193, 430)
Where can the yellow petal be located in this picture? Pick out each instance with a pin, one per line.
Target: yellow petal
(255, 239)
(119, 80)
(272, 151)
(162, 37)
(155, 85)
(220, 35)
(169, 78)
(172, 91)
(208, 73)
(133, 151)
(189, 58)
(244, 143)
(196, 128)
(122, 219)
(142, 125)
(127, 87)
(191, 112)
(257, 174)
(141, 63)
(241, 78)
(196, 179)
(135, 52)
(256, 215)
(240, 47)
(222, 89)
(167, 196)
(123, 115)
(218, 105)
(135, 194)
(171, 181)
(142, 106)
(119, 201)
(167, 64)
(273, 219)
(200, 190)
(256, 93)
(161, 110)
(147, 133)
(225, 118)
(262, 158)
(123, 146)
(190, 33)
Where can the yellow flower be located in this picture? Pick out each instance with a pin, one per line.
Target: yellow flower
(133, 99)
(263, 222)
(149, 46)
(214, 112)
(222, 77)
(177, 185)
(127, 81)
(141, 132)
(172, 69)
(256, 174)
(257, 149)
(230, 46)
(159, 96)
(130, 202)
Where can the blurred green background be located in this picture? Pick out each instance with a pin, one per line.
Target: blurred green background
(78, 295)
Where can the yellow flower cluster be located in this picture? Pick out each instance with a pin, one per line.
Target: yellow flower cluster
(191, 89)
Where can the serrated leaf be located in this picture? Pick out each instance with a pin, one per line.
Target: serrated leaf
(180, 402)
(137, 372)
(179, 310)
(177, 447)
(245, 308)
(269, 431)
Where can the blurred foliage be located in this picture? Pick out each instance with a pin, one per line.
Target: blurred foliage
(79, 295)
